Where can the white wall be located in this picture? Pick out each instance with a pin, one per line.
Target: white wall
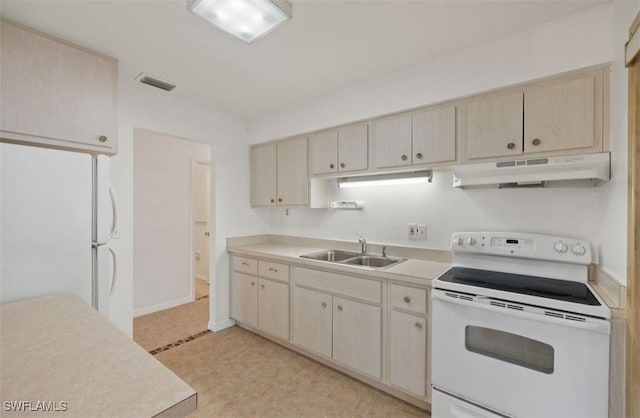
(573, 42)
(144, 107)
(162, 219)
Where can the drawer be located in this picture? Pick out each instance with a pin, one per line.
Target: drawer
(273, 271)
(245, 265)
(409, 298)
(369, 290)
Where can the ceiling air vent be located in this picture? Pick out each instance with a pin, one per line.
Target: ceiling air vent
(154, 81)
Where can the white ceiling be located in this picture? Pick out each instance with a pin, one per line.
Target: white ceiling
(327, 46)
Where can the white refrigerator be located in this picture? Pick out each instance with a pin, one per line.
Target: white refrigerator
(57, 215)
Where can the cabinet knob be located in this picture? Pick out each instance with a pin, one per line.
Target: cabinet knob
(245, 264)
(418, 325)
(273, 200)
(331, 165)
(536, 141)
(407, 299)
(340, 308)
(323, 304)
(279, 199)
(261, 286)
(419, 155)
(511, 145)
(404, 157)
(253, 284)
(102, 138)
(272, 269)
(342, 165)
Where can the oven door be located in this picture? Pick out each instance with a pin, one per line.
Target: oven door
(518, 363)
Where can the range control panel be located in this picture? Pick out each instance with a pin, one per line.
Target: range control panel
(523, 245)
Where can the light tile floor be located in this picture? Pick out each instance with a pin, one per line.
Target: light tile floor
(240, 374)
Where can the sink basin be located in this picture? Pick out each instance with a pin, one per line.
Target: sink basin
(372, 261)
(353, 259)
(334, 256)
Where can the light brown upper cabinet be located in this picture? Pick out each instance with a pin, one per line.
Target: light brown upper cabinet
(56, 94)
(339, 150)
(422, 137)
(279, 174)
(560, 116)
(494, 126)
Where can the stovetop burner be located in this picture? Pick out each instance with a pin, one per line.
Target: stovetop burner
(563, 290)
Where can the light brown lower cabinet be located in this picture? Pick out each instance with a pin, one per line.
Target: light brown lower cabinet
(407, 368)
(244, 304)
(350, 332)
(273, 308)
(312, 320)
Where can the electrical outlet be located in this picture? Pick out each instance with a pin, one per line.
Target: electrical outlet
(412, 231)
(421, 232)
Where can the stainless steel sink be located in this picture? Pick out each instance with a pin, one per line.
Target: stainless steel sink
(372, 261)
(354, 259)
(334, 256)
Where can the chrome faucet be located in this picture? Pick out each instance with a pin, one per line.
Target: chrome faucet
(363, 244)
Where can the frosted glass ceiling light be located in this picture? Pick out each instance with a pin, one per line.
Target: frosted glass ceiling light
(415, 177)
(247, 19)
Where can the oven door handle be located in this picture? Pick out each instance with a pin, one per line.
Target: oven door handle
(602, 325)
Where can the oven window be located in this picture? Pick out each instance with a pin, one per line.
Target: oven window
(512, 348)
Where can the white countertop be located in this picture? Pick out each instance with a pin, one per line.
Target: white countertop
(58, 349)
(413, 271)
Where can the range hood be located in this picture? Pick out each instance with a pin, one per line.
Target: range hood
(587, 170)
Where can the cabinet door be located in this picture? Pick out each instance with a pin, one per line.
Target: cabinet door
(559, 116)
(56, 94)
(323, 152)
(494, 126)
(353, 152)
(434, 135)
(273, 308)
(263, 175)
(392, 139)
(357, 336)
(312, 321)
(408, 353)
(293, 176)
(244, 303)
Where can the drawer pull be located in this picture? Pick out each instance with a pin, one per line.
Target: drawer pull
(253, 284)
(324, 305)
(340, 308)
(536, 141)
(245, 264)
(342, 165)
(272, 269)
(102, 138)
(407, 299)
(261, 286)
(404, 157)
(331, 166)
(419, 155)
(511, 145)
(418, 325)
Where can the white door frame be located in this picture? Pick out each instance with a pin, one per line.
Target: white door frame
(194, 163)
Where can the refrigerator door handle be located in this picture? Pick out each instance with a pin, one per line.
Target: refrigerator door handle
(114, 213)
(115, 269)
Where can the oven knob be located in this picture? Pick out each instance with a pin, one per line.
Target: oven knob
(456, 240)
(471, 240)
(578, 249)
(560, 247)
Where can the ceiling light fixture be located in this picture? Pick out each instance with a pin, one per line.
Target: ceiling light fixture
(247, 19)
(414, 177)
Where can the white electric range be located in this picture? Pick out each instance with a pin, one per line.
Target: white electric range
(517, 331)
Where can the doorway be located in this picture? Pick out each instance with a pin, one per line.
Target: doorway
(201, 232)
(171, 181)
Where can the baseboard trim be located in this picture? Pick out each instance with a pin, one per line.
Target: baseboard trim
(161, 306)
(219, 326)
